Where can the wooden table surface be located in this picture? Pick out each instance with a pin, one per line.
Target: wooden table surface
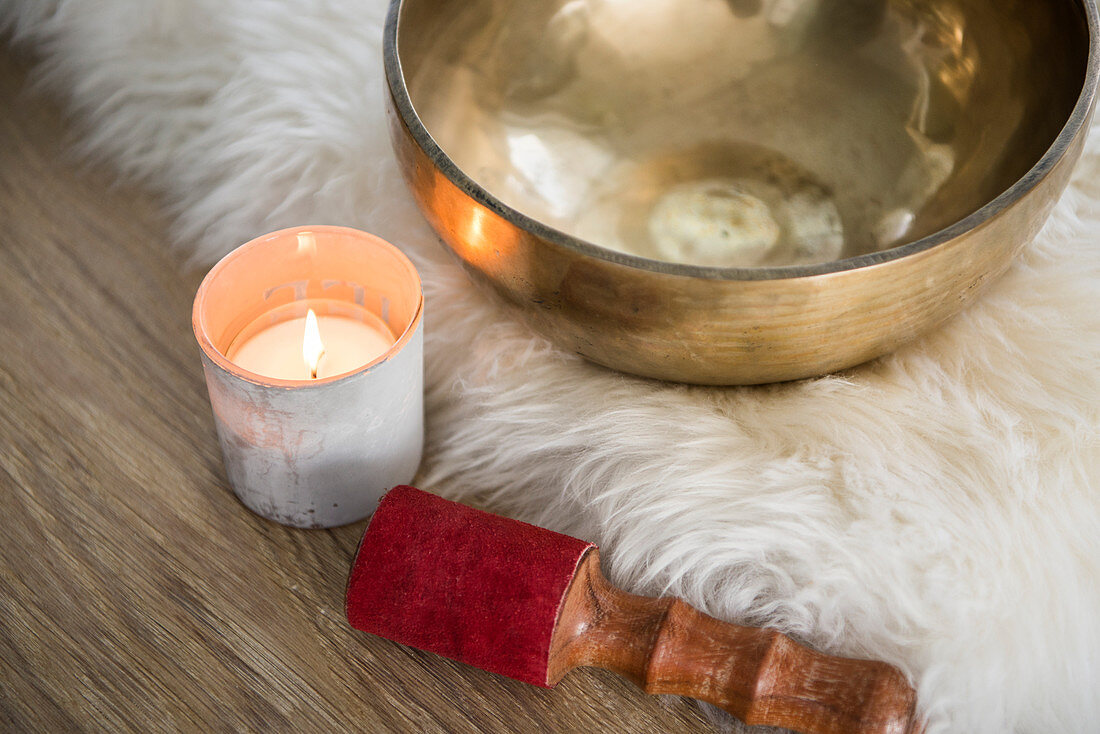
(136, 593)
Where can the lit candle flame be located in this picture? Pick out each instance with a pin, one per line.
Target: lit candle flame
(312, 346)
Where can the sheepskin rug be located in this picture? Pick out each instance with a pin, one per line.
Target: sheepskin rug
(938, 509)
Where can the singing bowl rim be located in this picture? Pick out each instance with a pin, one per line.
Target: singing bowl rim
(1074, 126)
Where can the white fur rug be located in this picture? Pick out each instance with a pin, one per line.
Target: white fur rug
(939, 509)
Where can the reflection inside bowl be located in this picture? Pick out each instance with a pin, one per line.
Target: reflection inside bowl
(736, 133)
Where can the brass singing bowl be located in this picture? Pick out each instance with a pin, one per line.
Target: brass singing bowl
(738, 191)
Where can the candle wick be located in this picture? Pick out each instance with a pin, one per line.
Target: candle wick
(316, 365)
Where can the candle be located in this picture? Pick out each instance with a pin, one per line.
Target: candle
(312, 346)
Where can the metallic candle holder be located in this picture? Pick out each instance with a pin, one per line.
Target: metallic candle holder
(315, 453)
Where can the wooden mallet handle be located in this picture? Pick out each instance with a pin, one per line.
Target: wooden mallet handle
(759, 675)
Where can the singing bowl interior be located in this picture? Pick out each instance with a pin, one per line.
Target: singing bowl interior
(738, 191)
(744, 133)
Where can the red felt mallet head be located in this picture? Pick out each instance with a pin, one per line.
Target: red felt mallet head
(459, 582)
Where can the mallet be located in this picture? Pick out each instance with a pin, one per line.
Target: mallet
(531, 604)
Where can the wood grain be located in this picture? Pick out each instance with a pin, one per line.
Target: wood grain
(663, 645)
(136, 594)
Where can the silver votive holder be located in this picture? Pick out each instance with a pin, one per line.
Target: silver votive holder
(316, 452)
